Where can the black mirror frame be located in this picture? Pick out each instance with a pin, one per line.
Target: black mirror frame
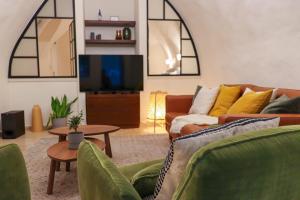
(34, 20)
(182, 23)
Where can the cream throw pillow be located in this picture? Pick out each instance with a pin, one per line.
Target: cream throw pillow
(204, 100)
(273, 97)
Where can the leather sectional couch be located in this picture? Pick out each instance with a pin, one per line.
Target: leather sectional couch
(178, 105)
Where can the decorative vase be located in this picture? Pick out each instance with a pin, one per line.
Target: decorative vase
(99, 15)
(59, 122)
(37, 119)
(98, 37)
(126, 33)
(74, 139)
(118, 35)
(92, 36)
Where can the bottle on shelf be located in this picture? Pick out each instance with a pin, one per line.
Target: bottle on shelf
(119, 35)
(99, 15)
(92, 35)
(98, 37)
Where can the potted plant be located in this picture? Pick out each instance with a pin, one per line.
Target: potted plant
(61, 109)
(75, 137)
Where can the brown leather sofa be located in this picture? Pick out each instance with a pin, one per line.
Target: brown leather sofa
(178, 105)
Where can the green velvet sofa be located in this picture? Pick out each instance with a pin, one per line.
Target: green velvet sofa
(262, 165)
(14, 183)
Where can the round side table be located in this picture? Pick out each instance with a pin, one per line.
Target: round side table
(61, 153)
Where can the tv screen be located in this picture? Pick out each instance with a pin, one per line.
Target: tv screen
(111, 73)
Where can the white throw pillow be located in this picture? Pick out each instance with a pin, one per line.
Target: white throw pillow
(182, 149)
(204, 101)
(273, 97)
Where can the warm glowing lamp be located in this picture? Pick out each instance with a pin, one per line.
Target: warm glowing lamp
(157, 106)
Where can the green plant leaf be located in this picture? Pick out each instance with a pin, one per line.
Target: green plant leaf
(75, 121)
(61, 108)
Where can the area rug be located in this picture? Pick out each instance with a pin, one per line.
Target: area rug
(126, 149)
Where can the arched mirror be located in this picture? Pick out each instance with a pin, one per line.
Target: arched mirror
(171, 49)
(47, 46)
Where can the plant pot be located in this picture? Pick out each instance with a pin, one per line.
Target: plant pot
(74, 139)
(59, 122)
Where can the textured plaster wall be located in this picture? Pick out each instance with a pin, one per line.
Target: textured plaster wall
(23, 94)
(246, 40)
(238, 41)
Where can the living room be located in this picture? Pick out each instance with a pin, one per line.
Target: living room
(177, 45)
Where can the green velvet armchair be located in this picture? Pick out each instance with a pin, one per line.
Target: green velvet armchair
(262, 165)
(14, 183)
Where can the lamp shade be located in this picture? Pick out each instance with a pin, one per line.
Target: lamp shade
(157, 105)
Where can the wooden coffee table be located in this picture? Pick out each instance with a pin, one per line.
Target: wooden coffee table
(89, 130)
(61, 153)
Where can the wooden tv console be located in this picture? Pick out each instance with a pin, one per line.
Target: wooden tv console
(120, 109)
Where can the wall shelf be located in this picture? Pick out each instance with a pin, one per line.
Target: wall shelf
(109, 42)
(109, 23)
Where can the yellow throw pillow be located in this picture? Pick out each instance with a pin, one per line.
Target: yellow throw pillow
(251, 103)
(226, 98)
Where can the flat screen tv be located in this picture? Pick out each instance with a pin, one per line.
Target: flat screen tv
(111, 73)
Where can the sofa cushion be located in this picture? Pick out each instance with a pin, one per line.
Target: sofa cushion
(276, 102)
(204, 101)
(198, 88)
(291, 106)
(14, 183)
(99, 178)
(130, 170)
(144, 180)
(183, 148)
(251, 103)
(226, 98)
(256, 165)
(273, 96)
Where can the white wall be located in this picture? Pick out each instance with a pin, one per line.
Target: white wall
(10, 27)
(124, 9)
(248, 41)
(23, 94)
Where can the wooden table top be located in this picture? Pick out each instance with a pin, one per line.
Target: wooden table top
(87, 130)
(61, 152)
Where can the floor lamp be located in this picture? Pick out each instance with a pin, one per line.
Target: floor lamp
(157, 107)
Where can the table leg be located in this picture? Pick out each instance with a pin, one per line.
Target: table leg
(68, 166)
(57, 166)
(62, 138)
(51, 177)
(107, 145)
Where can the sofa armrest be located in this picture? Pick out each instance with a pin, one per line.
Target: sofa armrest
(285, 119)
(178, 103)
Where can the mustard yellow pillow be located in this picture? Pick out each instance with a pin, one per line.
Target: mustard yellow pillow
(251, 103)
(226, 98)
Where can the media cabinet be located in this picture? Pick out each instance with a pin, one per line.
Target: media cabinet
(120, 109)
